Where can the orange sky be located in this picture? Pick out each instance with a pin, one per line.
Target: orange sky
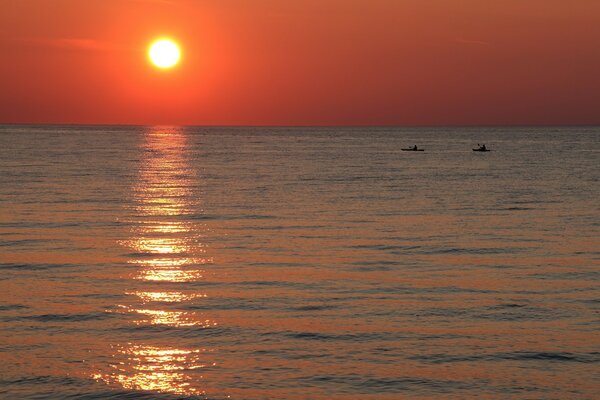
(302, 62)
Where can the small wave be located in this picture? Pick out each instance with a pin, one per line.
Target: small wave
(481, 250)
(228, 304)
(571, 275)
(38, 224)
(72, 388)
(376, 265)
(521, 313)
(370, 384)
(456, 289)
(298, 285)
(593, 357)
(508, 305)
(404, 249)
(34, 267)
(26, 242)
(383, 247)
(13, 348)
(67, 317)
(313, 307)
(170, 331)
(351, 337)
(372, 268)
(287, 227)
(9, 307)
(43, 379)
(230, 217)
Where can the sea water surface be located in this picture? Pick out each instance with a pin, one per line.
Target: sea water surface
(299, 263)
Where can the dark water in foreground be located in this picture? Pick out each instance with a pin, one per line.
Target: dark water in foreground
(299, 263)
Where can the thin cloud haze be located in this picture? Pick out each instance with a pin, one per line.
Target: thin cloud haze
(75, 44)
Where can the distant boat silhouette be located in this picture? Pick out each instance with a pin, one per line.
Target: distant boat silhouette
(481, 148)
(414, 148)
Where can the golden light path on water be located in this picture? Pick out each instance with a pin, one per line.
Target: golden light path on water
(157, 369)
(165, 297)
(166, 251)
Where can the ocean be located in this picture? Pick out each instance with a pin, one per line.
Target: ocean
(299, 263)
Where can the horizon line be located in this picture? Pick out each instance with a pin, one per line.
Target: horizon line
(302, 125)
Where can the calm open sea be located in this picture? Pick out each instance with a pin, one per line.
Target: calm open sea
(304, 263)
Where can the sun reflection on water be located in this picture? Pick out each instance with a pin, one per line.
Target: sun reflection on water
(169, 275)
(159, 246)
(167, 227)
(166, 297)
(158, 369)
(166, 249)
(173, 318)
(168, 317)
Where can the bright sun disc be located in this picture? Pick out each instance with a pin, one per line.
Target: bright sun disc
(164, 53)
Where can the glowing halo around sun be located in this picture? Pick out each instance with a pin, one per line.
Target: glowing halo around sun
(164, 53)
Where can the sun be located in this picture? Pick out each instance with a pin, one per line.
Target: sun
(164, 53)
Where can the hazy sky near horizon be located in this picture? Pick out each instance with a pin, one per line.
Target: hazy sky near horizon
(302, 62)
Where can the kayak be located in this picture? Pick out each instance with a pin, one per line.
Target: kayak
(412, 149)
(481, 150)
